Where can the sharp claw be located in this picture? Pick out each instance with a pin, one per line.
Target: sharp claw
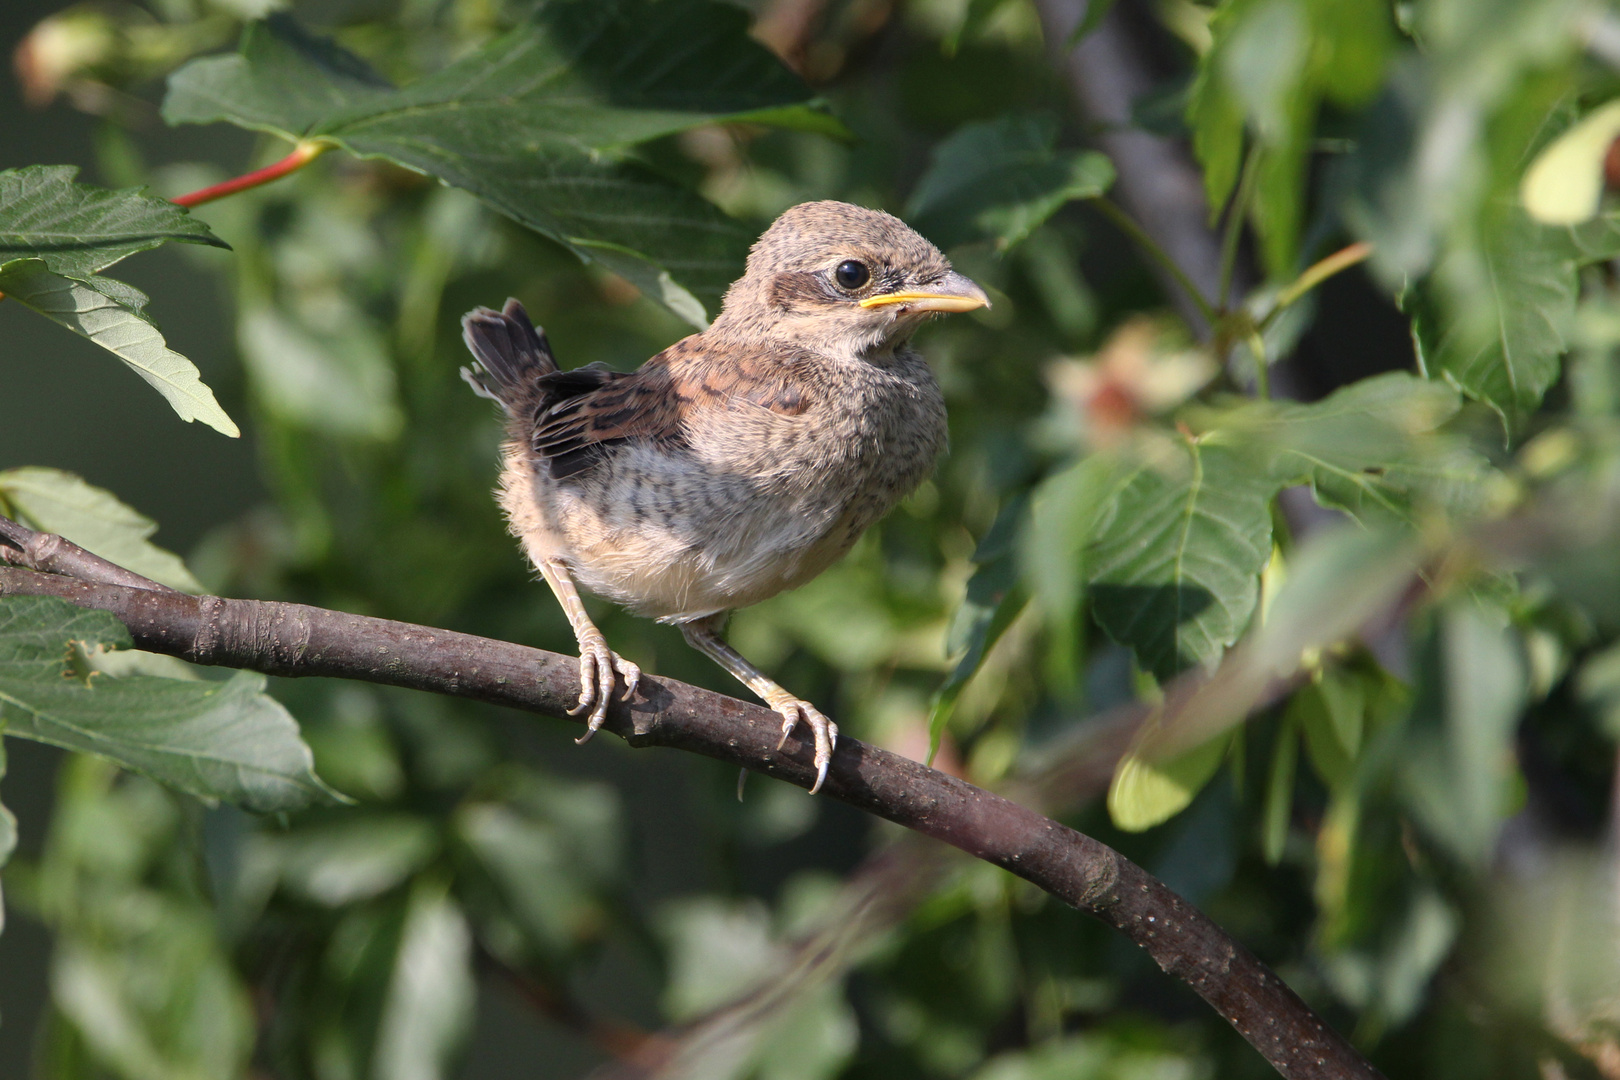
(824, 730)
(826, 741)
(632, 678)
(599, 666)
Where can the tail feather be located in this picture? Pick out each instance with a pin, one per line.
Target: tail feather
(509, 357)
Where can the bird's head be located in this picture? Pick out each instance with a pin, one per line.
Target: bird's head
(843, 280)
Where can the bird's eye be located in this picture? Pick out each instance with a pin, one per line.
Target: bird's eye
(851, 274)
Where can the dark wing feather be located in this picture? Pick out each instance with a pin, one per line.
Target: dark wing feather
(604, 409)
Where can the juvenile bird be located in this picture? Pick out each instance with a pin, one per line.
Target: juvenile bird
(738, 462)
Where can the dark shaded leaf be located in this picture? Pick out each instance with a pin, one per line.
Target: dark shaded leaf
(532, 124)
(217, 740)
(1000, 180)
(77, 230)
(994, 598)
(1174, 568)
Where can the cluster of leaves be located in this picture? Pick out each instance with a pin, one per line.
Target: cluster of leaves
(1402, 586)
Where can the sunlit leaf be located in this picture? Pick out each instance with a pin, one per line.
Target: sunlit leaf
(1146, 792)
(217, 740)
(1564, 184)
(108, 314)
(51, 500)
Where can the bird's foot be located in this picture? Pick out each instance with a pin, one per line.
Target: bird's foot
(794, 710)
(597, 666)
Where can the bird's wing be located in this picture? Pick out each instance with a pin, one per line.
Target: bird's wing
(594, 409)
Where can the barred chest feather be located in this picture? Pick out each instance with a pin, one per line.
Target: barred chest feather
(772, 496)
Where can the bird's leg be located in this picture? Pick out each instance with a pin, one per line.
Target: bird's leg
(704, 635)
(597, 662)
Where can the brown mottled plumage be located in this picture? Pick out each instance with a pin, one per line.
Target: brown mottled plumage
(738, 462)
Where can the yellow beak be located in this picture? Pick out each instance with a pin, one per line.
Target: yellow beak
(953, 292)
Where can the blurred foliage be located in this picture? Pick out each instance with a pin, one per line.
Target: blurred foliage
(1375, 630)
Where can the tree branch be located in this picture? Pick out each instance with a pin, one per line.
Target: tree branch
(1157, 182)
(294, 640)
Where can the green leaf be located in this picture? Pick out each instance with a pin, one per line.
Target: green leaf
(1174, 567)
(340, 382)
(1271, 65)
(1457, 767)
(1371, 448)
(1064, 509)
(77, 230)
(1279, 805)
(975, 17)
(217, 740)
(340, 862)
(1096, 12)
(109, 314)
(1000, 180)
(51, 500)
(1146, 792)
(1511, 304)
(535, 124)
(994, 598)
(428, 1010)
(548, 849)
(193, 1020)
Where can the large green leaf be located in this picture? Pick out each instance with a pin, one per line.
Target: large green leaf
(217, 740)
(1457, 769)
(1271, 65)
(536, 123)
(51, 500)
(77, 230)
(56, 235)
(140, 975)
(1174, 566)
(1510, 305)
(109, 313)
(1000, 180)
(1371, 448)
(546, 850)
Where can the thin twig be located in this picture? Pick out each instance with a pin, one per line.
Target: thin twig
(294, 640)
(1236, 212)
(304, 153)
(52, 554)
(1314, 275)
(1128, 225)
